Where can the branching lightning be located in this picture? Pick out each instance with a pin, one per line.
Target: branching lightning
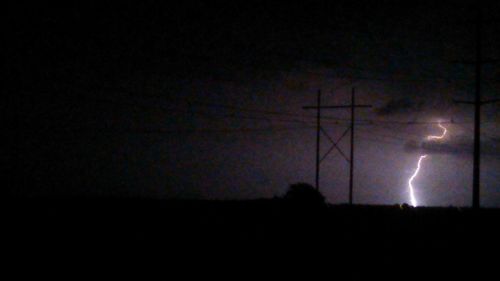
(413, 199)
(438, 137)
(412, 193)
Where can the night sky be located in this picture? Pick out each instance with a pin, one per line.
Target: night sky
(204, 100)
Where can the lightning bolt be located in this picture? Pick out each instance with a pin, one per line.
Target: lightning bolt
(413, 199)
(438, 137)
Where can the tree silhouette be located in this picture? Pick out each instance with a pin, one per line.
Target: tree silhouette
(304, 194)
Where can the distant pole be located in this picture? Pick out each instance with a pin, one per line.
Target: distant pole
(478, 103)
(318, 107)
(477, 117)
(318, 134)
(351, 170)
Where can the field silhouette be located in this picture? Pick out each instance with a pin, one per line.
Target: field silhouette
(294, 231)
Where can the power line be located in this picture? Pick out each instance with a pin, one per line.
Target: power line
(292, 114)
(262, 114)
(330, 119)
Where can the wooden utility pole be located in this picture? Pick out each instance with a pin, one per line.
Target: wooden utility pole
(477, 117)
(318, 108)
(351, 163)
(318, 135)
(478, 62)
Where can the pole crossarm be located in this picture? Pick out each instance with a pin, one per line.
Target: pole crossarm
(464, 102)
(347, 106)
(490, 101)
(473, 62)
(480, 103)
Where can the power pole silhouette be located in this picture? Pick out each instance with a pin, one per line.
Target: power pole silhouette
(478, 62)
(318, 135)
(334, 143)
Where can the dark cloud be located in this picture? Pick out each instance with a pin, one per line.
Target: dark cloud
(463, 147)
(399, 105)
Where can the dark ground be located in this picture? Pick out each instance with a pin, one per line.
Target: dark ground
(247, 237)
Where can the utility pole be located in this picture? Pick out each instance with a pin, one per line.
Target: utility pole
(318, 135)
(351, 163)
(478, 62)
(477, 117)
(334, 143)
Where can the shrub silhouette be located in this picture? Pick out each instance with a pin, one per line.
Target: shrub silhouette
(304, 194)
